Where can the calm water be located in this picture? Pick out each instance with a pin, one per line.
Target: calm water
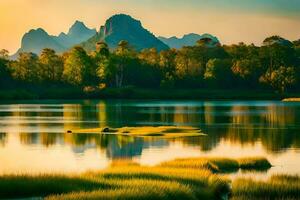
(33, 138)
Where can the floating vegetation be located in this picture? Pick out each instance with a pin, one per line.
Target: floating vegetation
(146, 131)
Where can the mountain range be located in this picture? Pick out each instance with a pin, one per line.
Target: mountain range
(116, 28)
(187, 40)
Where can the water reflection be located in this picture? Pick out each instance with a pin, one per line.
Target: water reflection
(234, 129)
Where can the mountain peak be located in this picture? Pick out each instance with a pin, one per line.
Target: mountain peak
(38, 31)
(77, 28)
(124, 27)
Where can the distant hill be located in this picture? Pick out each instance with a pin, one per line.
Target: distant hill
(124, 27)
(116, 28)
(187, 40)
(276, 40)
(77, 34)
(38, 39)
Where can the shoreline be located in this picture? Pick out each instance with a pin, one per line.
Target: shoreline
(144, 94)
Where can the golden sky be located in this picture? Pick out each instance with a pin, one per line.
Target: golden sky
(230, 20)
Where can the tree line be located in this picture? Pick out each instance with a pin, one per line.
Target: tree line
(274, 65)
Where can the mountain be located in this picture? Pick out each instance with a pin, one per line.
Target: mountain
(276, 40)
(38, 39)
(124, 27)
(187, 40)
(77, 33)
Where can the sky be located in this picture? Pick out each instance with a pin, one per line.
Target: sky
(232, 21)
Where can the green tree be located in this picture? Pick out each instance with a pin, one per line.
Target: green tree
(276, 52)
(26, 68)
(123, 54)
(78, 69)
(149, 56)
(167, 65)
(101, 61)
(281, 78)
(4, 73)
(187, 64)
(51, 66)
(247, 70)
(218, 73)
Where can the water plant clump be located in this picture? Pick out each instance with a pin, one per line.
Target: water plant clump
(146, 131)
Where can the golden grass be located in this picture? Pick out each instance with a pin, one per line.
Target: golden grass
(277, 187)
(192, 178)
(291, 100)
(147, 131)
(136, 190)
(220, 164)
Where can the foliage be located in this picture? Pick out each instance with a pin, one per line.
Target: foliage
(26, 68)
(275, 65)
(77, 67)
(51, 66)
(281, 78)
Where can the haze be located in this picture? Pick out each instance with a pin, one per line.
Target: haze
(232, 21)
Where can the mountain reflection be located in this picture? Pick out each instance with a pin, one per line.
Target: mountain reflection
(274, 125)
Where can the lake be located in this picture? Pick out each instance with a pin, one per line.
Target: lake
(33, 136)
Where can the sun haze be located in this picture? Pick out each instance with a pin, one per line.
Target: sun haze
(231, 21)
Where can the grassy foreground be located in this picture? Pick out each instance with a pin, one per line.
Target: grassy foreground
(180, 179)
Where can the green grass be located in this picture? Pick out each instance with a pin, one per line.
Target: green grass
(193, 178)
(277, 187)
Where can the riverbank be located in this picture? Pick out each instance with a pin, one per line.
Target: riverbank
(136, 93)
(194, 178)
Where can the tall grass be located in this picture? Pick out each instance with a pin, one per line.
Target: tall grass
(136, 190)
(277, 187)
(257, 163)
(20, 186)
(220, 164)
(179, 179)
(203, 183)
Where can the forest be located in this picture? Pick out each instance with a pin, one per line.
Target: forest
(273, 66)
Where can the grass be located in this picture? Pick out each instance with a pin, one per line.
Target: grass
(139, 190)
(220, 164)
(277, 187)
(291, 100)
(193, 178)
(20, 186)
(257, 163)
(146, 131)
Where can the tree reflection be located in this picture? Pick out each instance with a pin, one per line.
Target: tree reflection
(3, 139)
(274, 125)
